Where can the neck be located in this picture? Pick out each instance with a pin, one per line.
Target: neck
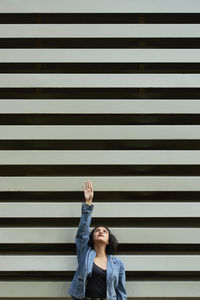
(100, 250)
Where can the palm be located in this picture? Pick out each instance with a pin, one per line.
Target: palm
(88, 194)
(88, 190)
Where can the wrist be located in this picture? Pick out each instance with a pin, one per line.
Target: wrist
(88, 202)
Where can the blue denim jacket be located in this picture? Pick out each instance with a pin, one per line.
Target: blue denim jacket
(115, 276)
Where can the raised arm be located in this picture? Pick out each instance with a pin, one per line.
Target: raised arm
(82, 235)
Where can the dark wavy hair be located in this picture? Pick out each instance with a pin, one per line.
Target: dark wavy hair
(111, 248)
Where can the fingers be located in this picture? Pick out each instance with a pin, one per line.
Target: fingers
(91, 185)
(88, 185)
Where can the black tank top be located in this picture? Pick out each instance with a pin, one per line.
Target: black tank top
(96, 285)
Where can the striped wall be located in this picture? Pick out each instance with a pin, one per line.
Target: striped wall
(107, 91)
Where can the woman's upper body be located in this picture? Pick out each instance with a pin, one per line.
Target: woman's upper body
(115, 273)
(96, 285)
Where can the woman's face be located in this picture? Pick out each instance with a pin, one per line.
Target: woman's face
(101, 234)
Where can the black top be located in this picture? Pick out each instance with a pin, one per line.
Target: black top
(96, 285)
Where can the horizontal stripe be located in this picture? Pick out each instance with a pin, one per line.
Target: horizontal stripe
(140, 289)
(99, 30)
(69, 262)
(99, 106)
(101, 210)
(97, 132)
(99, 80)
(103, 183)
(95, 6)
(100, 55)
(97, 157)
(63, 235)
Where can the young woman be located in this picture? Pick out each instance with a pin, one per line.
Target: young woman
(100, 274)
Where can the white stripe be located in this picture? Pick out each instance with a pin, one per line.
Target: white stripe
(140, 289)
(103, 183)
(98, 132)
(103, 6)
(128, 235)
(99, 80)
(99, 30)
(69, 262)
(99, 106)
(100, 55)
(99, 157)
(101, 210)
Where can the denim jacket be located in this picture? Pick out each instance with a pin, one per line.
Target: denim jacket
(115, 276)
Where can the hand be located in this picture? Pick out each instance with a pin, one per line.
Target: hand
(88, 192)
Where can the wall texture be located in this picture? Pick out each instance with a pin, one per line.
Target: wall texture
(107, 91)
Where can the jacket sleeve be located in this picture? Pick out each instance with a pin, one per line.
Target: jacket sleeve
(82, 235)
(121, 288)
